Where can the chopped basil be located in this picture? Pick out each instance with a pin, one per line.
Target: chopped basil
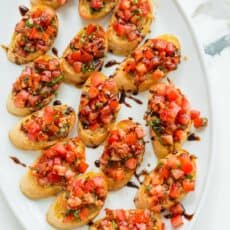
(98, 105)
(56, 80)
(156, 125)
(29, 24)
(137, 11)
(76, 214)
(148, 187)
(135, 1)
(39, 105)
(114, 224)
(82, 37)
(189, 176)
(87, 67)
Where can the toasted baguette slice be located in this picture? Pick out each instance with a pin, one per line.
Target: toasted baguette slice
(21, 140)
(87, 12)
(144, 218)
(51, 3)
(127, 74)
(85, 54)
(58, 215)
(37, 183)
(123, 153)
(169, 118)
(21, 99)
(102, 91)
(125, 35)
(27, 27)
(168, 183)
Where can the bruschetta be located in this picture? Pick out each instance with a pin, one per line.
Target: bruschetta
(34, 35)
(95, 9)
(43, 128)
(148, 64)
(98, 109)
(169, 118)
(135, 219)
(51, 3)
(80, 203)
(129, 24)
(168, 183)
(123, 153)
(85, 54)
(51, 171)
(36, 86)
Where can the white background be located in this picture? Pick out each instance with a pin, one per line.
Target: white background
(215, 213)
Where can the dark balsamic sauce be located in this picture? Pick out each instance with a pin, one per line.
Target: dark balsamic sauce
(135, 99)
(122, 99)
(90, 223)
(111, 63)
(193, 137)
(55, 51)
(17, 161)
(131, 184)
(97, 163)
(23, 10)
(139, 175)
(57, 102)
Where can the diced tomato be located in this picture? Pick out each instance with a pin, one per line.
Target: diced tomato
(130, 66)
(179, 135)
(186, 165)
(200, 122)
(94, 126)
(119, 28)
(195, 114)
(131, 163)
(164, 172)
(96, 4)
(167, 139)
(49, 114)
(177, 173)
(68, 218)
(176, 221)
(131, 138)
(173, 162)
(141, 68)
(174, 191)
(160, 44)
(33, 127)
(145, 8)
(98, 181)
(83, 213)
(91, 28)
(60, 149)
(183, 118)
(33, 34)
(82, 166)
(114, 137)
(177, 209)
(117, 174)
(140, 132)
(70, 156)
(132, 35)
(76, 55)
(170, 49)
(120, 215)
(77, 66)
(124, 4)
(53, 178)
(85, 56)
(93, 92)
(172, 93)
(188, 185)
(37, 13)
(148, 53)
(114, 105)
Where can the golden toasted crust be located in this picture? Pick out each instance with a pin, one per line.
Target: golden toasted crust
(115, 184)
(126, 81)
(86, 12)
(21, 141)
(122, 46)
(51, 3)
(93, 138)
(16, 58)
(55, 215)
(69, 74)
(10, 105)
(142, 200)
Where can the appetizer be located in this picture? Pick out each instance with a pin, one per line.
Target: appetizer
(123, 153)
(129, 24)
(135, 219)
(36, 86)
(52, 170)
(148, 64)
(85, 54)
(98, 109)
(95, 9)
(34, 35)
(43, 128)
(168, 183)
(51, 3)
(80, 203)
(169, 118)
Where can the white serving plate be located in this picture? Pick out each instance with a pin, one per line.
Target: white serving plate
(190, 77)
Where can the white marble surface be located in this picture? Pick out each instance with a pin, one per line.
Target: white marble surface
(214, 214)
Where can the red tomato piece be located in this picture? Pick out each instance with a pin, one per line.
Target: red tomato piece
(188, 185)
(131, 163)
(177, 221)
(83, 213)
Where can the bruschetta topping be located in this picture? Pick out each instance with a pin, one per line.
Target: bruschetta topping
(37, 30)
(157, 57)
(168, 113)
(60, 163)
(96, 5)
(48, 124)
(83, 194)
(129, 17)
(171, 179)
(37, 83)
(99, 105)
(128, 219)
(123, 152)
(87, 49)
